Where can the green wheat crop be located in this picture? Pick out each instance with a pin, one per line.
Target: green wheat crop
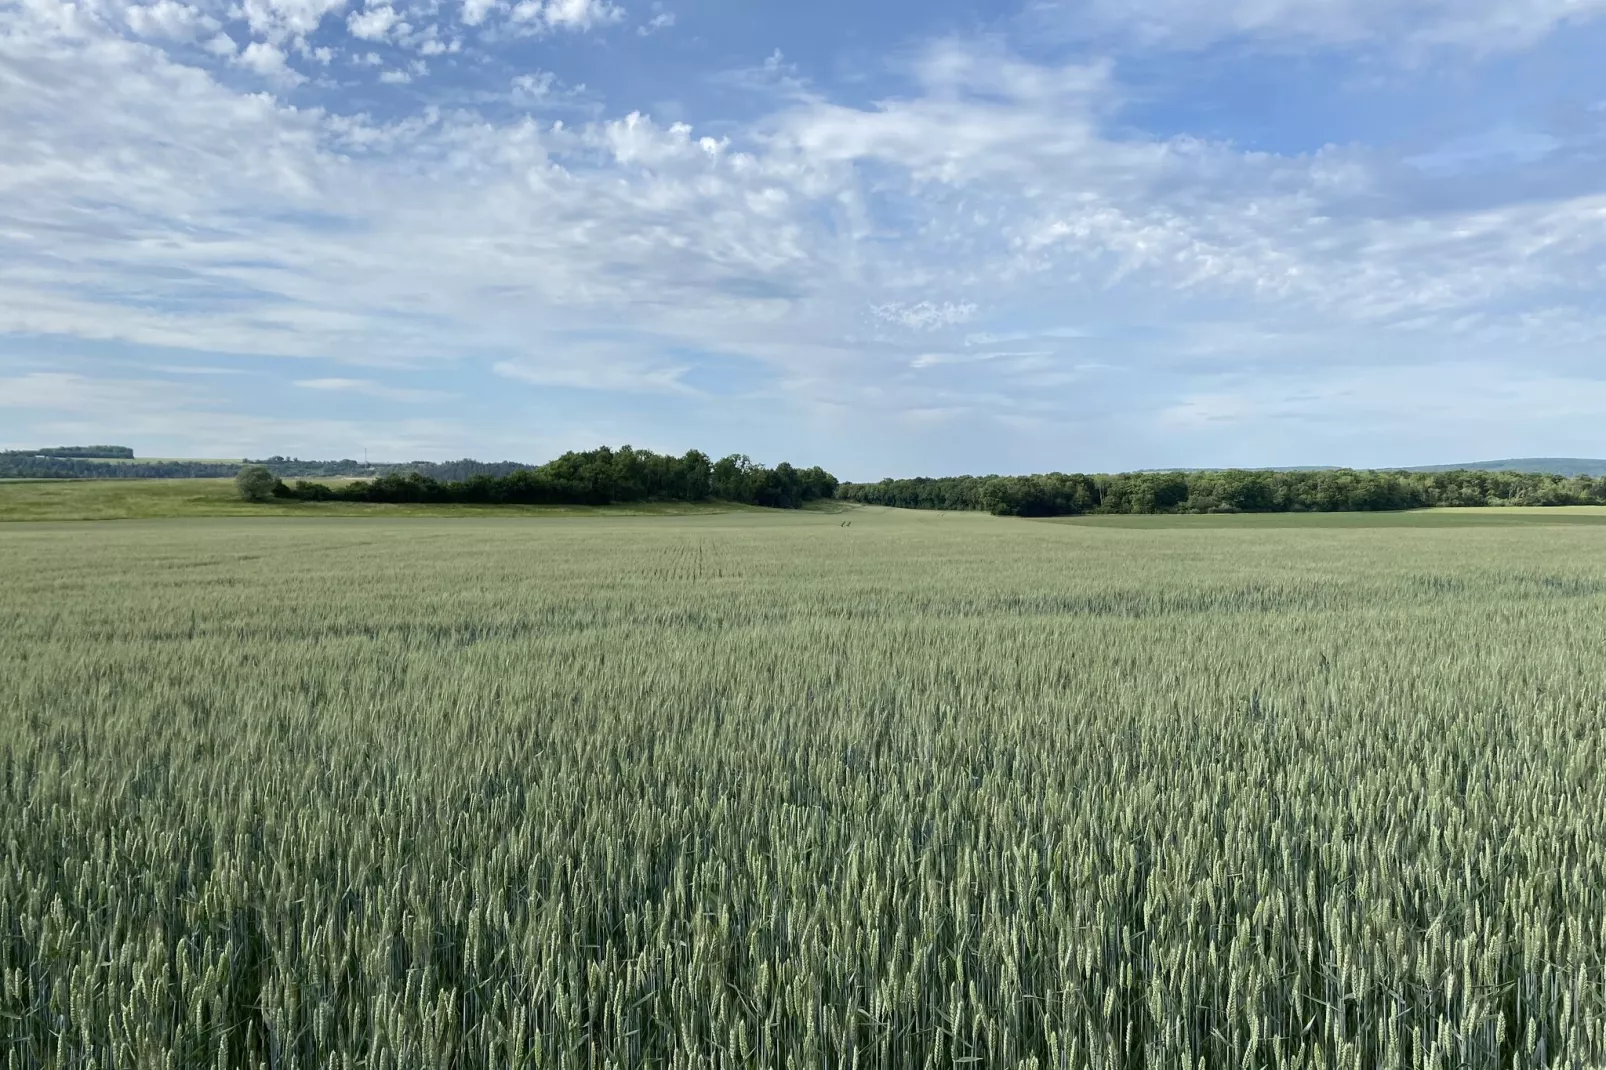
(771, 791)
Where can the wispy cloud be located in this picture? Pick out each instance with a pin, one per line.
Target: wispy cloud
(171, 20)
(870, 246)
(590, 374)
(659, 20)
(370, 388)
(195, 369)
(931, 360)
(992, 338)
(926, 315)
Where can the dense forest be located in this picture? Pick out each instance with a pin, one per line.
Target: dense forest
(47, 464)
(458, 471)
(1230, 491)
(629, 475)
(295, 466)
(119, 452)
(445, 471)
(595, 477)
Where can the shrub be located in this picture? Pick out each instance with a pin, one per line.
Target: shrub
(255, 483)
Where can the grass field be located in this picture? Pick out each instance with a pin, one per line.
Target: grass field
(798, 789)
(1481, 517)
(147, 499)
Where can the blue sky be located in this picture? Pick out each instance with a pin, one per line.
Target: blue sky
(894, 239)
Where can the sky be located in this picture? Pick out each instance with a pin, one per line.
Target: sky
(915, 237)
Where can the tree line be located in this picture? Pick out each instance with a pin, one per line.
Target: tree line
(295, 466)
(606, 475)
(594, 477)
(462, 470)
(95, 462)
(39, 464)
(445, 471)
(1230, 491)
(120, 452)
(89, 462)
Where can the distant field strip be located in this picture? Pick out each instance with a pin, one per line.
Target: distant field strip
(147, 499)
(770, 789)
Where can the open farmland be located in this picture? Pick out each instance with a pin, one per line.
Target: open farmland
(763, 789)
(148, 499)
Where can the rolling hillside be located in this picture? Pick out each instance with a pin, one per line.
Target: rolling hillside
(1560, 466)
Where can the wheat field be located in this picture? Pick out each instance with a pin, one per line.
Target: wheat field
(862, 790)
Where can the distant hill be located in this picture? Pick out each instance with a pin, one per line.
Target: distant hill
(1556, 466)
(119, 462)
(1274, 468)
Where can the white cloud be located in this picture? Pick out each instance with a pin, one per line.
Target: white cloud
(533, 88)
(589, 373)
(428, 43)
(550, 15)
(580, 14)
(374, 23)
(981, 113)
(693, 217)
(776, 76)
(925, 315)
(280, 19)
(661, 20)
(475, 11)
(269, 61)
(1029, 357)
(167, 19)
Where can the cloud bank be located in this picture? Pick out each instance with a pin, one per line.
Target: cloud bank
(170, 193)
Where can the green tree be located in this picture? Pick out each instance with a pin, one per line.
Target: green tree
(255, 483)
